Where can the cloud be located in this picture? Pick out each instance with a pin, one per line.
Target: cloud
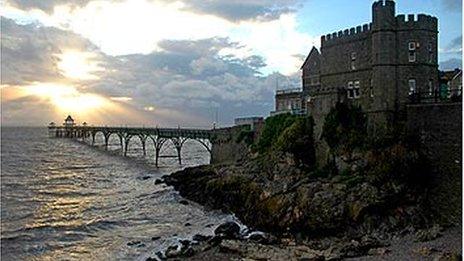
(235, 11)
(454, 47)
(240, 10)
(182, 82)
(451, 64)
(30, 52)
(452, 5)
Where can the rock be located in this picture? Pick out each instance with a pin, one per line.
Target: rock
(200, 238)
(378, 251)
(155, 238)
(187, 224)
(263, 238)
(183, 202)
(133, 243)
(172, 251)
(424, 251)
(146, 177)
(428, 234)
(448, 257)
(230, 246)
(229, 230)
(158, 181)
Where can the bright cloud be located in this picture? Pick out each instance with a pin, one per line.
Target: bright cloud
(138, 26)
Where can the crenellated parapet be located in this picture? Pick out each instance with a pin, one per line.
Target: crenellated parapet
(419, 22)
(354, 33)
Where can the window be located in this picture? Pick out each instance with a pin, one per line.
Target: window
(412, 86)
(412, 52)
(350, 90)
(371, 89)
(353, 61)
(357, 92)
(431, 89)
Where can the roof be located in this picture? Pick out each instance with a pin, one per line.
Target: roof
(450, 75)
(69, 118)
(311, 53)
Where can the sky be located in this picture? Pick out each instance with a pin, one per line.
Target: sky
(172, 63)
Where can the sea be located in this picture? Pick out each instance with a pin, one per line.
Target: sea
(66, 200)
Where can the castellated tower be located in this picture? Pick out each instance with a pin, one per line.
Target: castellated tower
(384, 62)
(379, 66)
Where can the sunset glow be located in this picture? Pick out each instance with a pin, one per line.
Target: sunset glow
(67, 99)
(78, 65)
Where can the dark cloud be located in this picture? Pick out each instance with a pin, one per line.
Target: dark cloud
(190, 78)
(451, 64)
(452, 5)
(233, 10)
(455, 46)
(45, 5)
(29, 52)
(239, 10)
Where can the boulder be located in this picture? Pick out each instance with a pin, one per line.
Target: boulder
(229, 230)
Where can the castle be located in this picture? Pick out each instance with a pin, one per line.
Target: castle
(377, 66)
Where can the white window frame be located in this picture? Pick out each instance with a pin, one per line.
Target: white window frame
(412, 52)
(350, 90)
(412, 86)
(357, 89)
(431, 89)
(353, 60)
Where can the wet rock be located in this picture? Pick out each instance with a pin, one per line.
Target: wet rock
(146, 177)
(172, 251)
(158, 181)
(229, 230)
(200, 238)
(184, 202)
(133, 243)
(263, 238)
(155, 238)
(187, 224)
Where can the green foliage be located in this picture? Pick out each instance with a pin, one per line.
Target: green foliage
(297, 139)
(246, 136)
(273, 127)
(345, 128)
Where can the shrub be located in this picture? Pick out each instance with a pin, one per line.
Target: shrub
(273, 127)
(345, 128)
(297, 139)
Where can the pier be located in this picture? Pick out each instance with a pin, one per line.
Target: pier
(159, 136)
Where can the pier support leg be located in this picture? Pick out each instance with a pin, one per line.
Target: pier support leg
(93, 139)
(107, 137)
(126, 146)
(143, 148)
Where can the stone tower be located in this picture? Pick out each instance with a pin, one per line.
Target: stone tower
(384, 69)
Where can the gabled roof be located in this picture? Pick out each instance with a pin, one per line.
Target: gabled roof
(69, 118)
(311, 53)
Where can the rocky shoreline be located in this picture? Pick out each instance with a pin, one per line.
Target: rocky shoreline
(340, 220)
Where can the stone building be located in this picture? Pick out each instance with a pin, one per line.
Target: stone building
(377, 66)
(451, 82)
(289, 101)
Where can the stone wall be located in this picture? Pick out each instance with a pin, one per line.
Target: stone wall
(439, 127)
(227, 148)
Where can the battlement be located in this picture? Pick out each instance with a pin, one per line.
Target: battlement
(347, 34)
(384, 3)
(419, 22)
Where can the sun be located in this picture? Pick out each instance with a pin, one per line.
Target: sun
(78, 65)
(67, 99)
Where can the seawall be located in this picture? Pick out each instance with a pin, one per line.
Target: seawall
(439, 127)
